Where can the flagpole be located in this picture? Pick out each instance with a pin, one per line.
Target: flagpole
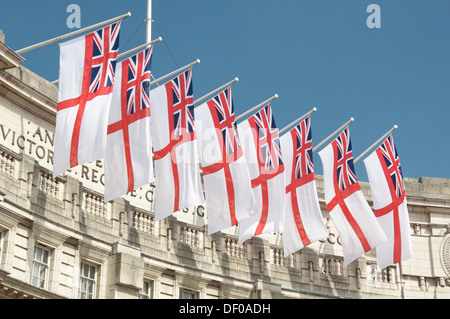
(334, 133)
(149, 21)
(297, 120)
(175, 72)
(68, 35)
(139, 47)
(257, 107)
(129, 51)
(216, 90)
(375, 144)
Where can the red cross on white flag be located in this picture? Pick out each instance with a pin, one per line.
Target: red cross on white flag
(128, 155)
(177, 171)
(86, 80)
(259, 138)
(389, 201)
(228, 192)
(303, 222)
(355, 222)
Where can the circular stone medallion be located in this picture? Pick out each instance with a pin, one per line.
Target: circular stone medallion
(445, 254)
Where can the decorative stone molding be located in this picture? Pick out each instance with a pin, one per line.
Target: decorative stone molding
(445, 254)
(261, 261)
(94, 204)
(49, 186)
(121, 223)
(331, 265)
(232, 248)
(7, 163)
(143, 222)
(75, 205)
(8, 58)
(278, 259)
(441, 281)
(190, 236)
(423, 284)
(445, 230)
(358, 278)
(384, 276)
(417, 229)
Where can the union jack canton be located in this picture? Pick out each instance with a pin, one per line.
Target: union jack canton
(225, 122)
(270, 158)
(389, 153)
(105, 48)
(183, 107)
(138, 87)
(345, 171)
(304, 157)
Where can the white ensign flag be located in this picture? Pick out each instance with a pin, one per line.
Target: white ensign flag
(355, 222)
(228, 192)
(177, 172)
(128, 155)
(261, 144)
(86, 80)
(389, 201)
(303, 222)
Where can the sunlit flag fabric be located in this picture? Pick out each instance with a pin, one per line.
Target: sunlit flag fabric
(228, 192)
(355, 222)
(303, 222)
(176, 157)
(389, 201)
(86, 80)
(128, 155)
(261, 144)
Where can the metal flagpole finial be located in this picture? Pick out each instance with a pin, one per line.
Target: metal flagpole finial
(297, 120)
(333, 134)
(216, 90)
(257, 107)
(175, 72)
(375, 144)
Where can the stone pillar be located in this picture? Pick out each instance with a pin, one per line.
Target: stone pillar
(266, 290)
(28, 178)
(125, 272)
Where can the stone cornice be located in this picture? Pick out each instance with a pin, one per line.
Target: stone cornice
(27, 97)
(13, 288)
(8, 58)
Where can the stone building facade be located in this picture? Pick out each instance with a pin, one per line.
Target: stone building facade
(59, 239)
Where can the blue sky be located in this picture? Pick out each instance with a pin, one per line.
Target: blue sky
(312, 53)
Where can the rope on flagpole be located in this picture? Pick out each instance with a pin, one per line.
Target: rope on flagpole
(375, 144)
(297, 120)
(334, 133)
(257, 107)
(175, 72)
(216, 90)
(68, 35)
(145, 45)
